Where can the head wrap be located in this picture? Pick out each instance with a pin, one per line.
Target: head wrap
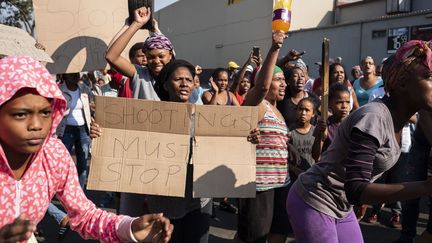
(410, 52)
(157, 41)
(298, 63)
(277, 69)
(17, 73)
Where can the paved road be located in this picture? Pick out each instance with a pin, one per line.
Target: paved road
(223, 229)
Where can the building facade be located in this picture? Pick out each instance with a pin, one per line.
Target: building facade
(211, 33)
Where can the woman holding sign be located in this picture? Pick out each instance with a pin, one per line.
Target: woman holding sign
(190, 216)
(266, 213)
(366, 145)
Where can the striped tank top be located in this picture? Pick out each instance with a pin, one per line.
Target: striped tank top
(272, 152)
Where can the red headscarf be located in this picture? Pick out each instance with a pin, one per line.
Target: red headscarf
(405, 56)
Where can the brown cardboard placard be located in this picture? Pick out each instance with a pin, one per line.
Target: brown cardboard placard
(76, 33)
(224, 167)
(143, 115)
(225, 120)
(224, 161)
(139, 162)
(17, 42)
(144, 148)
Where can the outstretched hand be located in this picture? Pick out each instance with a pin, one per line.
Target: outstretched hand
(17, 231)
(294, 54)
(152, 228)
(214, 85)
(142, 15)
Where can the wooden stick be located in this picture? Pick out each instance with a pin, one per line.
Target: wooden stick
(325, 78)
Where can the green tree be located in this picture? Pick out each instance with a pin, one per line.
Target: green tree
(18, 13)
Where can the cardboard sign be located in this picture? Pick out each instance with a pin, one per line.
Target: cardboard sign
(144, 115)
(139, 162)
(144, 148)
(17, 42)
(224, 161)
(77, 33)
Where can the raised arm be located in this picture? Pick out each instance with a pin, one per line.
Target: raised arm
(113, 55)
(251, 59)
(262, 83)
(93, 223)
(208, 98)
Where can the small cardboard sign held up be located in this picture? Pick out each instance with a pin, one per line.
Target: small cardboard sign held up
(17, 42)
(144, 147)
(77, 33)
(224, 161)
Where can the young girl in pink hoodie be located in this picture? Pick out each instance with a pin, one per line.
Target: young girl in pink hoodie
(35, 166)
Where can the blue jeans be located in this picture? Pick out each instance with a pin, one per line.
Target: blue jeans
(416, 170)
(78, 137)
(56, 213)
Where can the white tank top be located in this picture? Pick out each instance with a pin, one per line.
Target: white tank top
(76, 112)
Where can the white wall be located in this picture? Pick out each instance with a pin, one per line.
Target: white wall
(311, 13)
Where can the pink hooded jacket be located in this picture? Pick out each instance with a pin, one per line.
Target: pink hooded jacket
(52, 170)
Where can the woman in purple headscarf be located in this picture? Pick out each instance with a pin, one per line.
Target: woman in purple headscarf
(366, 145)
(158, 50)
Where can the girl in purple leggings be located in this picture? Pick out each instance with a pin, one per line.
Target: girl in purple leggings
(366, 145)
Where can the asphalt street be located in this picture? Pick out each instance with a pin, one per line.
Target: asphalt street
(222, 228)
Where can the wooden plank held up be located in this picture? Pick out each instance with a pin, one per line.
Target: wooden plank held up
(325, 79)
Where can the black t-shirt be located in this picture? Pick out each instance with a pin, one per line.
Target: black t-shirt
(289, 109)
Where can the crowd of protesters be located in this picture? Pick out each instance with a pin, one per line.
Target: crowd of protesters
(314, 176)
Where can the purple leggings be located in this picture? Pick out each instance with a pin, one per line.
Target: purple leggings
(312, 226)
